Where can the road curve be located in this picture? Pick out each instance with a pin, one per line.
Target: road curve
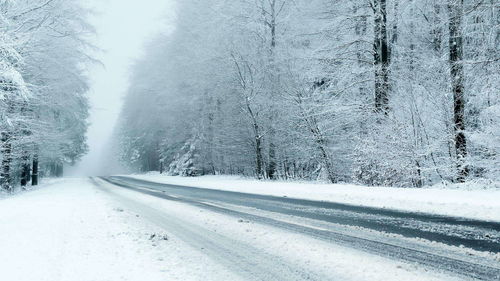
(473, 234)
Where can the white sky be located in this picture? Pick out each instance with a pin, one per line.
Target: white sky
(123, 27)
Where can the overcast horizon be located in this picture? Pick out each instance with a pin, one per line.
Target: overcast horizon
(123, 28)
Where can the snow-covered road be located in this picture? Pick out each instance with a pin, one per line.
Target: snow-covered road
(392, 234)
(474, 234)
(473, 200)
(83, 229)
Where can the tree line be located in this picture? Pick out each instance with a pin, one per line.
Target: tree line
(375, 92)
(43, 106)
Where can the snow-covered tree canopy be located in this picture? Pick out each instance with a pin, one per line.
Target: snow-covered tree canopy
(43, 105)
(381, 92)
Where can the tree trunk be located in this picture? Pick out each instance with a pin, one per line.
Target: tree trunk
(212, 109)
(418, 182)
(6, 151)
(322, 147)
(457, 85)
(25, 158)
(395, 35)
(258, 143)
(25, 173)
(381, 57)
(258, 152)
(253, 116)
(326, 160)
(271, 168)
(34, 175)
(319, 139)
(59, 169)
(437, 31)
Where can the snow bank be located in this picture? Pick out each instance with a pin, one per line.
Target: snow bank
(469, 201)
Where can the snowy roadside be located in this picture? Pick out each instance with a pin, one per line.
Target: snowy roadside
(474, 203)
(68, 230)
(45, 182)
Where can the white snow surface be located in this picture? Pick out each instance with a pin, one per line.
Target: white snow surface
(68, 230)
(465, 200)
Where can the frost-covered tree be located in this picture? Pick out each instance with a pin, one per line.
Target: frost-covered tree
(43, 103)
(356, 91)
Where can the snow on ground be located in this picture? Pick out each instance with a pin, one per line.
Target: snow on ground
(469, 202)
(68, 230)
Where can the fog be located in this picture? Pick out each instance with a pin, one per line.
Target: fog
(122, 29)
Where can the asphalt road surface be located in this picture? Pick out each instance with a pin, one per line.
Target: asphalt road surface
(437, 242)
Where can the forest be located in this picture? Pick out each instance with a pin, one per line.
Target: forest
(43, 87)
(375, 92)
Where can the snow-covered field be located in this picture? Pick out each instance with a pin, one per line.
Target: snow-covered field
(465, 201)
(72, 229)
(68, 230)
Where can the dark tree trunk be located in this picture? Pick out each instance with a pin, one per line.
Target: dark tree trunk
(257, 137)
(272, 166)
(381, 57)
(212, 109)
(6, 141)
(395, 35)
(418, 182)
(322, 147)
(437, 31)
(258, 143)
(25, 173)
(457, 85)
(326, 159)
(59, 171)
(25, 158)
(258, 152)
(6, 151)
(34, 175)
